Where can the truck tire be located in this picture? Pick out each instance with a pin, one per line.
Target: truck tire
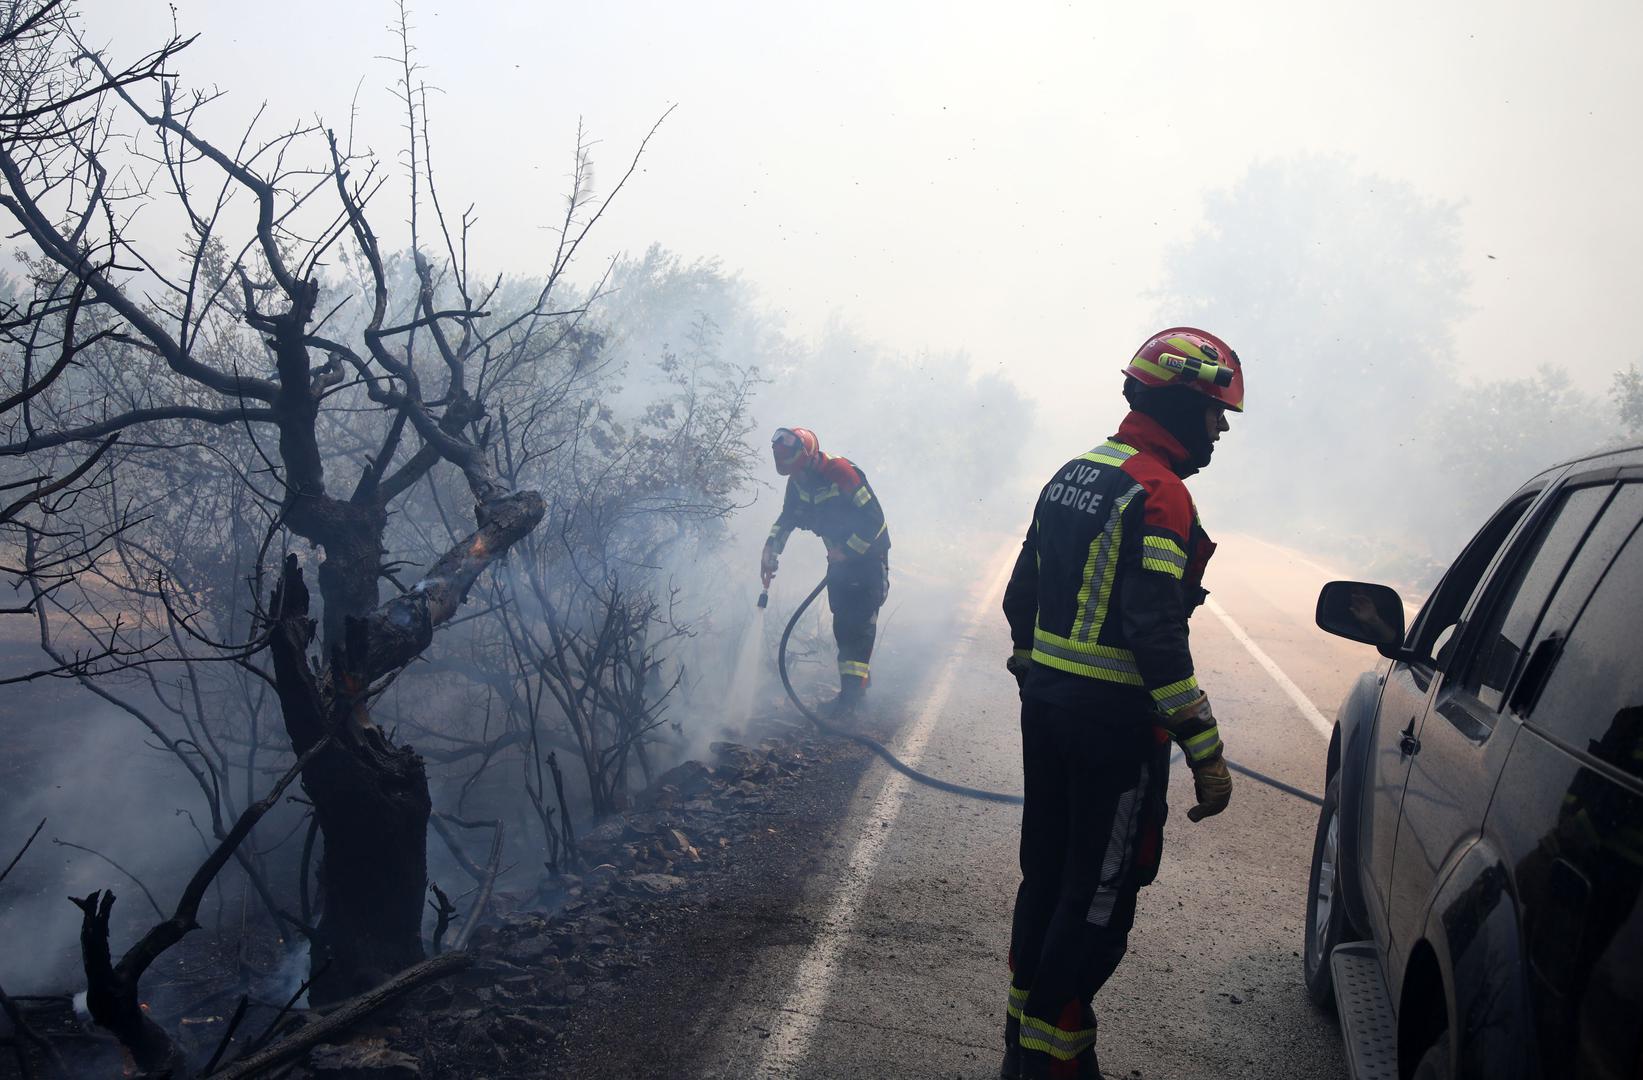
(1327, 923)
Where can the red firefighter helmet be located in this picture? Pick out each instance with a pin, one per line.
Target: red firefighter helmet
(1191, 359)
(794, 449)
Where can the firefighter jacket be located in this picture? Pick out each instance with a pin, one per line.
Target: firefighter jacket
(1110, 570)
(833, 500)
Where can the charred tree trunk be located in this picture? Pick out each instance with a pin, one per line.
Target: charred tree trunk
(371, 796)
(373, 806)
(349, 574)
(112, 995)
(112, 989)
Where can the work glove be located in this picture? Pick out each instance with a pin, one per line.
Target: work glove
(1018, 666)
(1193, 727)
(767, 564)
(1212, 783)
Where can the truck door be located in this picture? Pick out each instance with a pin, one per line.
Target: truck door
(1461, 744)
(1569, 811)
(1404, 699)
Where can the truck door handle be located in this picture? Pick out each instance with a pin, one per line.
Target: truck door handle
(1407, 742)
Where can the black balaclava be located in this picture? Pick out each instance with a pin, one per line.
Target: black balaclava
(1181, 413)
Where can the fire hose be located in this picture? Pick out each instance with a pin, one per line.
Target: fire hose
(933, 781)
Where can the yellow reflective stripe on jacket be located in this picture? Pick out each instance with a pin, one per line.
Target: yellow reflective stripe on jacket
(1202, 746)
(1045, 1037)
(1111, 452)
(858, 668)
(1022, 654)
(1163, 555)
(863, 496)
(1100, 570)
(1176, 694)
(778, 537)
(1018, 1001)
(860, 546)
(819, 495)
(1086, 658)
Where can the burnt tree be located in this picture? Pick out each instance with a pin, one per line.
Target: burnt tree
(347, 411)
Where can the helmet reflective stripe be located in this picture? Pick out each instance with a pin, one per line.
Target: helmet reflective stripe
(1186, 346)
(1192, 359)
(1148, 366)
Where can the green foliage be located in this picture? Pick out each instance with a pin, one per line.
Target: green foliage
(1627, 392)
(1495, 434)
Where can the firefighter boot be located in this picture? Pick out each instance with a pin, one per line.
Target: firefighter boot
(1011, 1069)
(1077, 1022)
(1037, 1065)
(852, 692)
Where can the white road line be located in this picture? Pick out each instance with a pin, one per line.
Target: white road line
(1285, 683)
(800, 1016)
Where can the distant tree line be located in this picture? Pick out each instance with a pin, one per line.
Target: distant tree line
(1373, 431)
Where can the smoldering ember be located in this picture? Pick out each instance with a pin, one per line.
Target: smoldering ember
(661, 540)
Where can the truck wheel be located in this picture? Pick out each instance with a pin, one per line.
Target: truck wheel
(1327, 924)
(1434, 1064)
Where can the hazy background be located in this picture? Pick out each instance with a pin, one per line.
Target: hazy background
(1009, 186)
(938, 231)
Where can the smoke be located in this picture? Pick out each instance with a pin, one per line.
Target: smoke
(98, 783)
(1375, 432)
(288, 978)
(656, 466)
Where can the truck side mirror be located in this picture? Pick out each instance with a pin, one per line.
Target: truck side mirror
(1360, 611)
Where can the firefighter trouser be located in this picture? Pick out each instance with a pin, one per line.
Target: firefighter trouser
(856, 588)
(1091, 832)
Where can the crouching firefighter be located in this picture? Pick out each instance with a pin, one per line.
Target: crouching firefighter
(831, 497)
(1111, 568)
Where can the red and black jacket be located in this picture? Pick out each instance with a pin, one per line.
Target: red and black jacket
(1111, 568)
(833, 500)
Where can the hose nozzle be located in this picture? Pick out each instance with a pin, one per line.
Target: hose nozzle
(764, 599)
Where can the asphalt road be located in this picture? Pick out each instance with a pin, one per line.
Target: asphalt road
(893, 963)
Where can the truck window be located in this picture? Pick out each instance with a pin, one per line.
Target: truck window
(1433, 633)
(1620, 519)
(1501, 641)
(1593, 698)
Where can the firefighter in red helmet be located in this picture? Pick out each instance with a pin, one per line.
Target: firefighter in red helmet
(831, 497)
(1110, 570)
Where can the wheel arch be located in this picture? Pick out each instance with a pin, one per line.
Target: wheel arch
(1349, 751)
(1423, 1006)
(1474, 939)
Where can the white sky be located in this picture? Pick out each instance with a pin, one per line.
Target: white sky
(947, 175)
